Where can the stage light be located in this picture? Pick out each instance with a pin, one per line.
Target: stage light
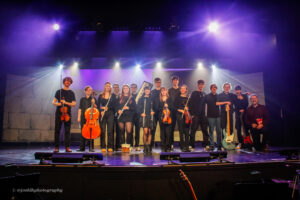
(56, 27)
(76, 64)
(213, 27)
(138, 66)
(200, 65)
(117, 65)
(61, 66)
(158, 65)
(214, 67)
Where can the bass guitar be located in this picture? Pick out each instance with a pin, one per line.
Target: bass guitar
(228, 137)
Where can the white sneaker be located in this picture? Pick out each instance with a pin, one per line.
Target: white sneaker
(207, 148)
(239, 146)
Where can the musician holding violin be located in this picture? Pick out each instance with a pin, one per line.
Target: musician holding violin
(146, 113)
(64, 100)
(85, 103)
(105, 103)
(183, 117)
(165, 119)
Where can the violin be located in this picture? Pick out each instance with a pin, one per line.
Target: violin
(186, 113)
(166, 116)
(64, 113)
(91, 129)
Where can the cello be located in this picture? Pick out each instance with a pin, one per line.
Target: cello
(91, 129)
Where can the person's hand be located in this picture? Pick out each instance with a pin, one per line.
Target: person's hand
(102, 113)
(254, 125)
(63, 101)
(166, 105)
(186, 108)
(59, 104)
(78, 120)
(228, 103)
(242, 110)
(143, 115)
(126, 108)
(152, 113)
(180, 110)
(120, 112)
(260, 126)
(105, 108)
(93, 101)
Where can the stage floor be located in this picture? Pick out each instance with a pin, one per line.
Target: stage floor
(25, 155)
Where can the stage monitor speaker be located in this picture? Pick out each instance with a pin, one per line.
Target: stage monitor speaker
(68, 157)
(193, 155)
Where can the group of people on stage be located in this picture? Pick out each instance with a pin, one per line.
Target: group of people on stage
(121, 114)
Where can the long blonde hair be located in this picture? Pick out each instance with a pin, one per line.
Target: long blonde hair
(160, 94)
(122, 97)
(110, 89)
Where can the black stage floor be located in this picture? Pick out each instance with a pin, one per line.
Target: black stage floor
(25, 155)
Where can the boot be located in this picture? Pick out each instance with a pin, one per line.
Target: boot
(145, 149)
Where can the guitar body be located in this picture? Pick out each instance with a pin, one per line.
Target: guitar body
(228, 141)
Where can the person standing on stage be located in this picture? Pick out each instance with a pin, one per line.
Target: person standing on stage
(213, 117)
(197, 107)
(126, 109)
(180, 106)
(165, 105)
(240, 105)
(144, 109)
(85, 103)
(64, 97)
(257, 118)
(105, 104)
(174, 92)
(136, 118)
(116, 97)
(155, 101)
(223, 99)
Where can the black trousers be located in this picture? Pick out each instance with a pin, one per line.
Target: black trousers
(202, 121)
(256, 134)
(240, 125)
(136, 127)
(107, 127)
(58, 125)
(155, 121)
(165, 135)
(173, 125)
(84, 141)
(118, 133)
(224, 121)
(183, 132)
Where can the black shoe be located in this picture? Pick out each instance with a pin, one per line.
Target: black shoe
(145, 149)
(91, 150)
(80, 150)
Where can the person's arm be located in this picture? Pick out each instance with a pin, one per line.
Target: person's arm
(55, 102)
(79, 115)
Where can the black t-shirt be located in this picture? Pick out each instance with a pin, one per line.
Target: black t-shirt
(68, 96)
(173, 93)
(84, 104)
(155, 99)
(240, 104)
(180, 102)
(213, 110)
(222, 97)
(197, 103)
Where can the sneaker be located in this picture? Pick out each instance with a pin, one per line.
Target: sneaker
(80, 150)
(103, 150)
(253, 149)
(68, 150)
(207, 148)
(172, 147)
(110, 150)
(190, 147)
(137, 149)
(91, 150)
(56, 150)
(239, 146)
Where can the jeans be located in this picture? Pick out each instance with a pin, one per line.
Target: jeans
(215, 123)
(199, 120)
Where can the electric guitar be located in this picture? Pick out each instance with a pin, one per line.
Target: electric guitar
(228, 138)
(185, 178)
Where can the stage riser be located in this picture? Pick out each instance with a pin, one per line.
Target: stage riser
(210, 182)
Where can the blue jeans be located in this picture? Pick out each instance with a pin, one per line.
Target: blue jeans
(212, 124)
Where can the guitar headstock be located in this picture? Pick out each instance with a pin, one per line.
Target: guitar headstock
(183, 176)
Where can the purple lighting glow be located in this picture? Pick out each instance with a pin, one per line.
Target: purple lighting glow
(213, 27)
(56, 27)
